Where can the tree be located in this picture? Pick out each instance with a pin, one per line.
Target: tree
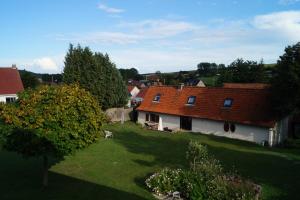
(208, 69)
(29, 79)
(240, 71)
(286, 82)
(55, 78)
(96, 73)
(131, 73)
(51, 121)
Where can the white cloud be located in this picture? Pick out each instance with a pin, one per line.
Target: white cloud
(159, 28)
(110, 10)
(285, 24)
(45, 63)
(287, 2)
(100, 38)
(132, 32)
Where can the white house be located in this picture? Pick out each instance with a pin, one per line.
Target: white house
(132, 92)
(141, 95)
(230, 112)
(10, 84)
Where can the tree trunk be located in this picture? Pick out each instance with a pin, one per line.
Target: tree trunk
(45, 173)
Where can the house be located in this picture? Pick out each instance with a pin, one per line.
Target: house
(136, 83)
(141, 95)
(195, 82)
(132, 92)
(10, 84)
(239, 113)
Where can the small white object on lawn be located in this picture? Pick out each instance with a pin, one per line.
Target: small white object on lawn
(176, 195)
(108, 134)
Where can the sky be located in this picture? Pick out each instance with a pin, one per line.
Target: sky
(150, 35)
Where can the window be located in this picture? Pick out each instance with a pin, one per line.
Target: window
(191, 100)
(226, 126)
(232, 128)
(157, 98)
(10, 99)
(228, 103)
(147, 117)
(154, 118)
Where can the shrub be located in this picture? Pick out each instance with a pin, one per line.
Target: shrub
(201, 161)
(206, 179)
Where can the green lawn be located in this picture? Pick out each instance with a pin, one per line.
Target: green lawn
(209, 80)
(117, 168)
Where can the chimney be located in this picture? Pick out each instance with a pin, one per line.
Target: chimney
(181, 85)
(14, 66)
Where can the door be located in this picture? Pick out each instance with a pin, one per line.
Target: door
(186, 123)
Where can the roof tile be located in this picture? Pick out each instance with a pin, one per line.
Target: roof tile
(10, 81)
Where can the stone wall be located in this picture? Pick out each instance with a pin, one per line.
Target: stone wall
(115, 114)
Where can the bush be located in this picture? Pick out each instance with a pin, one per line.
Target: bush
(5, 130)
(206, 179)
(67, 116)
(201, 161)
(165, 181)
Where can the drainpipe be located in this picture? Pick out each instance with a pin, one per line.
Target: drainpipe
(271, 136)
(160, 126)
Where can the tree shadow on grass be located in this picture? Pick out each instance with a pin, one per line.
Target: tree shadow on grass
(165, 151)
(21, 179)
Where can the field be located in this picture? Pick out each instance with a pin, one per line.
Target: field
(117, 168)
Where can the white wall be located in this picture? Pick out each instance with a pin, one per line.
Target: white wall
(242, 132)
(280, 132)
(170, 121)
(134, 92)
(141, 117)
(3, 97)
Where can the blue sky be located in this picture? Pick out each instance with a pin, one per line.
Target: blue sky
(150, 35)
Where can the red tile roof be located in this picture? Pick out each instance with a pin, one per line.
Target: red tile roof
(247, 85)
(130, 88)
(10, 81)
(250, 106)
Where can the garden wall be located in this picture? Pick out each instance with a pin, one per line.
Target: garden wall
(115, 114)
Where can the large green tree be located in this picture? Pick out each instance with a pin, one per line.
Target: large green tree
(243, 71)
(286, 82)
(96, 73)
(131, 73)
(51, 121)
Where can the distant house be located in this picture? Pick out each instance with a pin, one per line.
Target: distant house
(239, 113)
(136, 83)
(10, 84)
(132, 92)
(195, 82)
(141, 95)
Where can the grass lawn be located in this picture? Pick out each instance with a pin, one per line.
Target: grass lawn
(209, 80)
(117, 168)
